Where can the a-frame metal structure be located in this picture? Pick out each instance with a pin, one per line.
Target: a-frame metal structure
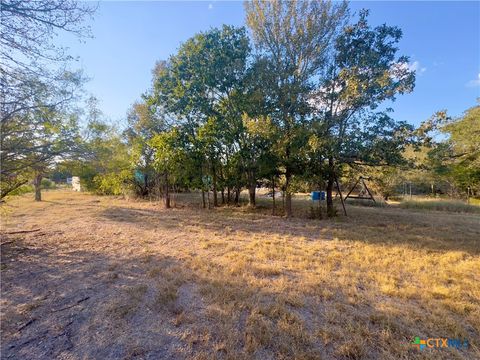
(339, 192)
(362, 194)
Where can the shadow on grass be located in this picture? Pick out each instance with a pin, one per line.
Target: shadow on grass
(88, 304)
(96, 298)
(84, 304)
(383, 226)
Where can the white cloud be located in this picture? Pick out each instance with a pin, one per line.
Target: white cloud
(415, 66)
(474, 83)
(210, 6)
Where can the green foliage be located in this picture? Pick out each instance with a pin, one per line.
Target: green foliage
(456, 158)
(144, 122)
(102, 154)
(24, 189)
(27, 188)
(169, 156)
(462, 150)
(296, 112)
(39, 134)
(47, 184)
(113, 183)
(363, 72)
(293, 39)
(206, 87)
(38, 126)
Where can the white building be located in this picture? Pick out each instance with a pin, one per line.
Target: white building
(76, 183)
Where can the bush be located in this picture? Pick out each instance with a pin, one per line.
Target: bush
(48, 184)
(475, 201)
(24, 189)
(113, 183)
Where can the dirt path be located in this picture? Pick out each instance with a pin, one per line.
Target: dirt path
(85, 286)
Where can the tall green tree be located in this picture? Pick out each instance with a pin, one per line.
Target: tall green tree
(199, 86)
(170, 159)
(293, 38)
(144, 122)
(36, 86)
(40, 134)
(363, 71)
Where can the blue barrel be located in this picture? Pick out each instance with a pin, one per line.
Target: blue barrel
(322, 195)
(315, 195)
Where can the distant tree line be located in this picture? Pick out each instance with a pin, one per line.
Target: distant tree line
(293, 102)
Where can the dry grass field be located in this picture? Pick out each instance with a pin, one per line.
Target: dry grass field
(106, 278)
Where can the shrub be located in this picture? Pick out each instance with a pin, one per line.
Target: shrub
(474, 201)
(48, 184)
(24, 189)
(113, 183)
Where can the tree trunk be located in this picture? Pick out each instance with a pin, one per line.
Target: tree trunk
(37, 183)
(145, 185)
(229, 198)
(203, 199)
(331, 178)
(223, 196)
(215, 199)
(273, 195)
(288, 194)
(251, 195)
(330, 208)
(167, 194)
(237, 196)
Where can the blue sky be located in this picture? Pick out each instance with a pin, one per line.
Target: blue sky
(441, 38)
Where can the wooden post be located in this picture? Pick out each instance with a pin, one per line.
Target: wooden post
(208, 197)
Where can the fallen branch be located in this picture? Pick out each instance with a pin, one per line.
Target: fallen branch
(7, 242)
(29, 322)
(21, 231)
(28, 341)
(70, 306)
